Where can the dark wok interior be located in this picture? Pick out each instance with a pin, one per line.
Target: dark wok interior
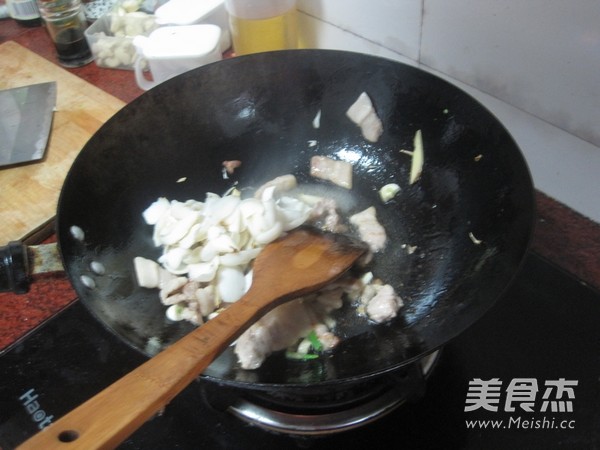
(259, 109)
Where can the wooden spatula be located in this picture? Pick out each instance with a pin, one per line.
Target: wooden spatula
(301, 262)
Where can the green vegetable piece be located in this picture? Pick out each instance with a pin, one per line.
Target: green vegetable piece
(314, 341)
(300, 356)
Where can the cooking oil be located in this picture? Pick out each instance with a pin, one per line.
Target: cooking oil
(264, 34)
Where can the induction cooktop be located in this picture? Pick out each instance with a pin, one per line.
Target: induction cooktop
(526, 376)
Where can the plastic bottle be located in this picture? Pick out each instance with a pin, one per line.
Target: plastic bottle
(262, 25)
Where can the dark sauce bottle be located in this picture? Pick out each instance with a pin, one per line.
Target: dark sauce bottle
(72, 48)
(24, 12)
(66, 23)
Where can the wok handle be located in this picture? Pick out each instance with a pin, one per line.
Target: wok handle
(14, 268)
(107, 419)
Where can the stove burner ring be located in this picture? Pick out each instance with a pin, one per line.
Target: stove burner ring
(320, 424)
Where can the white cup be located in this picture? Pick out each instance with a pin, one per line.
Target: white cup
(171, 51)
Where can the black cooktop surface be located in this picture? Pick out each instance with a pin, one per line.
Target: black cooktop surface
(527, 376)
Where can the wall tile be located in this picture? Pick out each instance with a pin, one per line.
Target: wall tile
(314, 33)
(534, 64)
(562, 165)
(542, 56)
(392, 24)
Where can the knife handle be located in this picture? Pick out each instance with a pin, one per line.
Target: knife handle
(14, 268)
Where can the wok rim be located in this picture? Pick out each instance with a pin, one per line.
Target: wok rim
(62, 229)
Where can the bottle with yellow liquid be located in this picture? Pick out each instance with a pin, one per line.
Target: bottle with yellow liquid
(262, 25)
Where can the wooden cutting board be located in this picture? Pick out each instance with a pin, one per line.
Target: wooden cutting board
(29, 193)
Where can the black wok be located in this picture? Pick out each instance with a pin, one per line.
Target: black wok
(259, 109)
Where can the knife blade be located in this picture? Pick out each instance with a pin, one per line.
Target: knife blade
(25, 121)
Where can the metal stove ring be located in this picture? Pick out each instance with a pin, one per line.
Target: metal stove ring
(326, 424)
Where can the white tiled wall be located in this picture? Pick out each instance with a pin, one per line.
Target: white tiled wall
(393, 24)
(534, 63)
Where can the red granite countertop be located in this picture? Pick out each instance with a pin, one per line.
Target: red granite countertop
(562, 236)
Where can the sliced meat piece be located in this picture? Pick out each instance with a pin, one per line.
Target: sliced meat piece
(171, 292)
(206, 300)
(282, 327)
(384, 305)
(325, 216)
(338, 172)
(253, 346)
(326, 337)
(363, 114)
(277, 330)
(369, 229)
(230, 166)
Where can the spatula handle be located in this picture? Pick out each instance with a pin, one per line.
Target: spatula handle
(301, 262)
(107, 419)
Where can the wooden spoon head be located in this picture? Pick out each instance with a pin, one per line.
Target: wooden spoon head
(304, 260)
